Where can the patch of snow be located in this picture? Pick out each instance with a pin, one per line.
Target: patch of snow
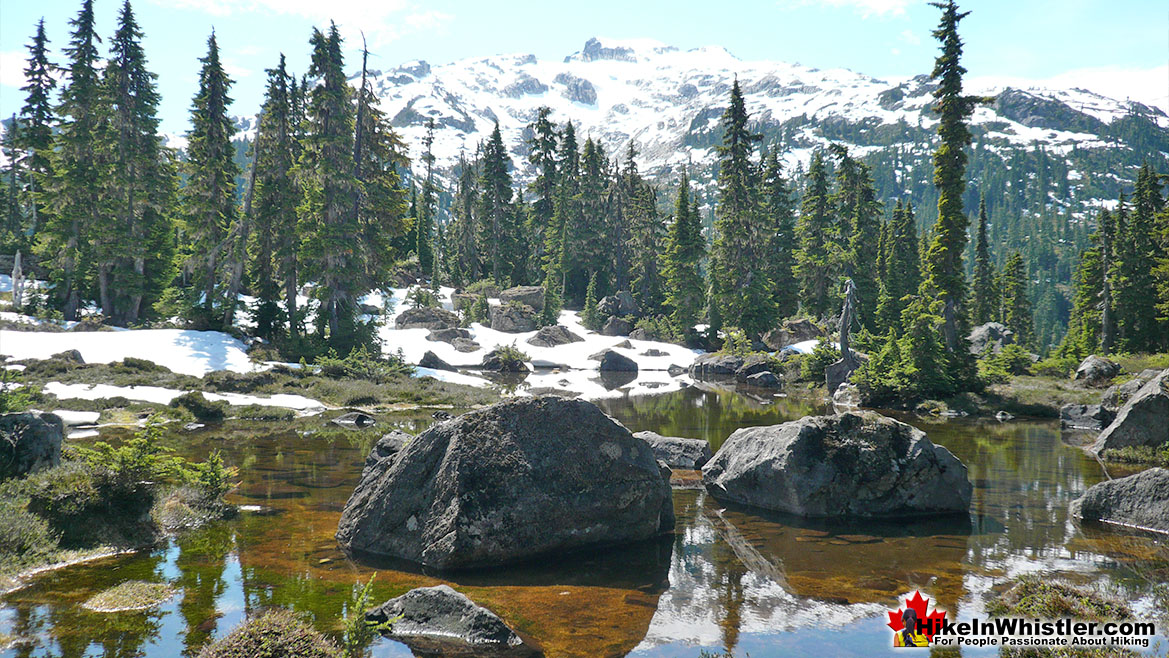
(159, 395)
(181, 350)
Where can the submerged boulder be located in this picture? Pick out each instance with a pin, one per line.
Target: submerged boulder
(856, 464)
(553, 336)
(514, 481)
(426, 318)
(1142, 421)
(677, 452)
(1140, 500)
(1096, 370)
(440, 621)
(29, 441)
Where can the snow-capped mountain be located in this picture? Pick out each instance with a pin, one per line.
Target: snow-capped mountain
(669, 102)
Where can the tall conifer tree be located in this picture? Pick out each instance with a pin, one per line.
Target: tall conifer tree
(37, 121)
(685, 248)
(814, 263)
(983, 305)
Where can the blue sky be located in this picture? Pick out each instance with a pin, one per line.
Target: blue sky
(1118, 48)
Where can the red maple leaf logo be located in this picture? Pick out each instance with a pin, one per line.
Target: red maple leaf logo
(931, 622)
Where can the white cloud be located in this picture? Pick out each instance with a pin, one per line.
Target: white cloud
(866, 8)
(382, 21)
(910, 37)
(1149, 86)
(12, 63)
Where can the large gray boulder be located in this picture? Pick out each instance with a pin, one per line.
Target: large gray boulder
(1140, 500)
(993, 334)
(517, 480)
(856, 464)
(677, 452)
(440, 621)
(1142, 421)
(29, 441)
(434, 362)
(716, 365)
(614, 361)
(619, 303)
(381, 456)
(1116, 395)
(529, 295)
(1096, 370)
(448, 335)
(498, 361)
(1092, 417)
(465, 345)
(553, 336)
(513, 318)
(616, 326)
(462, 301)
(792, 331)
(426, 318)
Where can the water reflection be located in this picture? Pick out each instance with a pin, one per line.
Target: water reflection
(729, 577)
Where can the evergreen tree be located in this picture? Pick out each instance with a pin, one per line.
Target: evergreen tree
(814, 262)
(542, 148)
(859, 212)
(37, 121)
(133, 249)
(982, 307)
(563, 239)
(685, 249)
(586, 237)
(426, 206)
(945, 271)
(273, 262)
(12, 229)
(646, 238)
(1015, 302)
(738, 269)
(463, 231)
(498, 227)
(209, 201)
(781, 234)
(79, 161)
(591, 316)
(1132, 272)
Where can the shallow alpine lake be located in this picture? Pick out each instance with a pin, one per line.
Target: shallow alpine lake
(727, 579)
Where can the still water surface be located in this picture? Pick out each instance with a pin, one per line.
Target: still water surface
(728, 578)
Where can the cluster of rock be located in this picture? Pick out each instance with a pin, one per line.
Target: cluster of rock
(1143, 421)
(755, 370)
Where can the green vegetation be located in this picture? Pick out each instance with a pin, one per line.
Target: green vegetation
(130, 595)
(1036, 597)
(358, 632)
(1138, 455)
(273, 634)
(200, 407)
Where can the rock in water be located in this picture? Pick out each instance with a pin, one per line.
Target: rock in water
(676, 452)
(29, 441)
(857, 464)
(614, 361)
(553, 336)
(1097, 371)
(1140, 500)
(1143, 420)
(715, 366)
(1093, 417)
(440, 621)
(511, 482)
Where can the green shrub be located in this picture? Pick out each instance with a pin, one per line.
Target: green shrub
(141, 365)
(262, 412)
(822, 356)
(484, 288)
(512, 357)
(736, 342)
(13, 395)
(359, 632)
(274, 634)
(1138, 455)
(213, 478)
(1035, 597)
(361, 363)
(419, 297)
(1011, 361)
(480, 311)
(659, 327)
(1055, 366)
(200, 407)
(24, 536)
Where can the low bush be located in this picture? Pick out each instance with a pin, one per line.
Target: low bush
(1138, 455)
(25, 537)
(1055, 366)
(484, 287)
(361, 363)
(275, 634)
(999, 368)
(813, 365)
(419, 297)
(262, 412)
(200, 407)
(659, 327)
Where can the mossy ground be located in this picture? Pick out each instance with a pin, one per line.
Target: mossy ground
(130, 595)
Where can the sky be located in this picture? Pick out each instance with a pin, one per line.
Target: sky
(1120, 49)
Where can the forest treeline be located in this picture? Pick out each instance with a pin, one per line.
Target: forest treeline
(327, 200)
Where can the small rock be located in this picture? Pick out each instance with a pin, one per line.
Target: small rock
(72, 356)
(677, 452)
(625, 345)
(426, 318)
(674, 370)
(369, 309)
(29, 441)
(765, 379)
(448, 335)
(355, 419)
(1003, 416)
(553, 336)
(191, 427)
(619, 303)
(513, 318)
(440, 621)
(465, 345)
(653, 352)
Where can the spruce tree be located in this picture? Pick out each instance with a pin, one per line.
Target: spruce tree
(208, 199)
(738, 270)
(646, 241)
(1015, 302)
(273, 264)
(859, 212)
(464, 231)
(427, 206)
(497, 212)
(133, 248)
(590, 317)
(37, 121)
(685, 249)
(542, 153)
(1132, 272)
(945, 268)
(585, 241)
(79, 163)
(814, 262)
(781, 237)
(982, 307)
(330, 195)
(563, 239)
